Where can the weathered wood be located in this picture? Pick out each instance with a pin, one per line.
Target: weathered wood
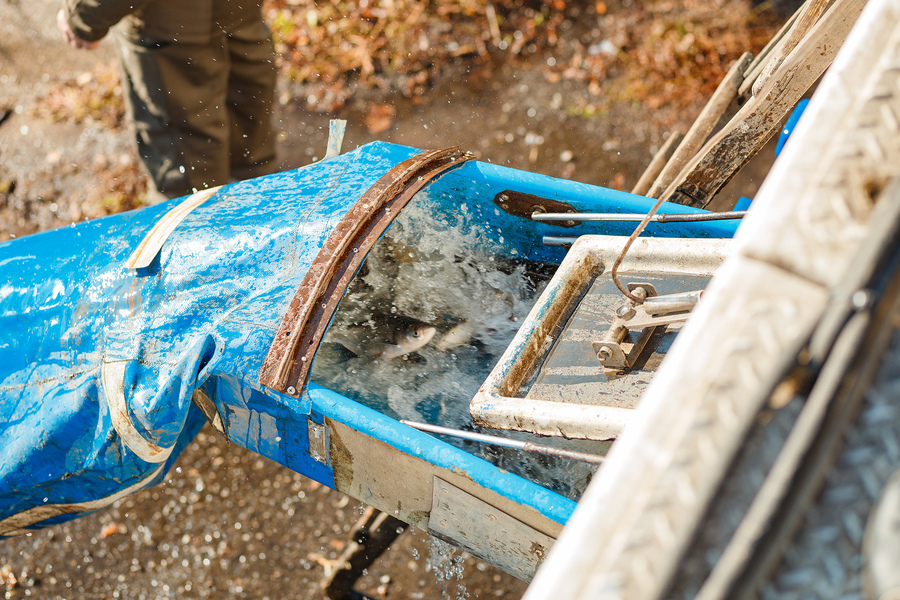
(759, 63)
(730, 149)
(717, 106)
(660, 159)
(807, 16)
(369, 470)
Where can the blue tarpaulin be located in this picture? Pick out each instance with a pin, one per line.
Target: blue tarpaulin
(98, 362)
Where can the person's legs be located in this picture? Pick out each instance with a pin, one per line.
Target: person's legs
(251, 91)
(175, 97)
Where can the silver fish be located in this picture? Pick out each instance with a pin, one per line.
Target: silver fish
(458, 335)
(384, 337)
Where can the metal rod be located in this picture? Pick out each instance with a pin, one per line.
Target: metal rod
(501, 441)
(658, 218)
(660, 305)
(550, 240)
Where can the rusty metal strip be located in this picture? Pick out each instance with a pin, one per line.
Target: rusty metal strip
(153, 242)
(287, 364)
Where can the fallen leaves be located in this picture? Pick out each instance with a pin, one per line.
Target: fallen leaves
(397, 45)
(658, 52)
(112, 528)
(8, 577)
(661, 53)
(88, 97)
(379, 118)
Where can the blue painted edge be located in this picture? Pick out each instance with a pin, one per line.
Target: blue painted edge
(591, 198)
(743, 203)
(421, 445)
(791, 125)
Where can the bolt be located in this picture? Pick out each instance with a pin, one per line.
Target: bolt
(624, 311)
(861, 299)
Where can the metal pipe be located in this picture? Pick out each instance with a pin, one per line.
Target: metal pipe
(501, 441)
(550, 240)
(658, 218)
(661, 305)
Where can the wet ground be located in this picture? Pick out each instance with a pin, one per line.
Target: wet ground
(228, 524)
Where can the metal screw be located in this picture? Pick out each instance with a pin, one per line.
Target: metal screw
(291, 390)
(861, 299)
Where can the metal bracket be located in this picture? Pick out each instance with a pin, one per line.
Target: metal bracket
(525, 205)
(655, 311)
(289, 359)
(318, 442)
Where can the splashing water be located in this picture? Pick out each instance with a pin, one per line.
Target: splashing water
(456, 275)
(447, 564)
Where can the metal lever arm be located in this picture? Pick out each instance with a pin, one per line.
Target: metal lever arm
(654, 311)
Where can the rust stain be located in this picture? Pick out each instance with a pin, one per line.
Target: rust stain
(289, 359)
(341, 462)
(132, 292)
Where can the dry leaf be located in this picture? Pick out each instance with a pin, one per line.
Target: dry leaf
(380, 118)
(112, 529)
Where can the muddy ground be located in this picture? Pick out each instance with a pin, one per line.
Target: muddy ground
(226, 523)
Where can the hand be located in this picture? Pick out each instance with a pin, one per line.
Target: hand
(70, 36)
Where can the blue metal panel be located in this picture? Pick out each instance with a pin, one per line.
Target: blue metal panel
(475, 185)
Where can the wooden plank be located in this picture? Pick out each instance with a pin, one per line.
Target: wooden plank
(660, 159)
(706, 122)
(756, 67)
(399, 484)
(807, 17)
(730, 149)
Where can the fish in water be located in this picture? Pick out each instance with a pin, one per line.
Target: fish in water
(460, 334)
(385, 336)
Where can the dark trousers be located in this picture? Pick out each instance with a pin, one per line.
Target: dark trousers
(202, 113)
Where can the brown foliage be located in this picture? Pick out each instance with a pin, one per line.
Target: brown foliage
(653, 52)
(88, 97)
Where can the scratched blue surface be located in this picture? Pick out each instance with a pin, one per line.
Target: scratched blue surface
(203, 315)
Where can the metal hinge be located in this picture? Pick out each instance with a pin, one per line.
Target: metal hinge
(654, 311)
(318, 441)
